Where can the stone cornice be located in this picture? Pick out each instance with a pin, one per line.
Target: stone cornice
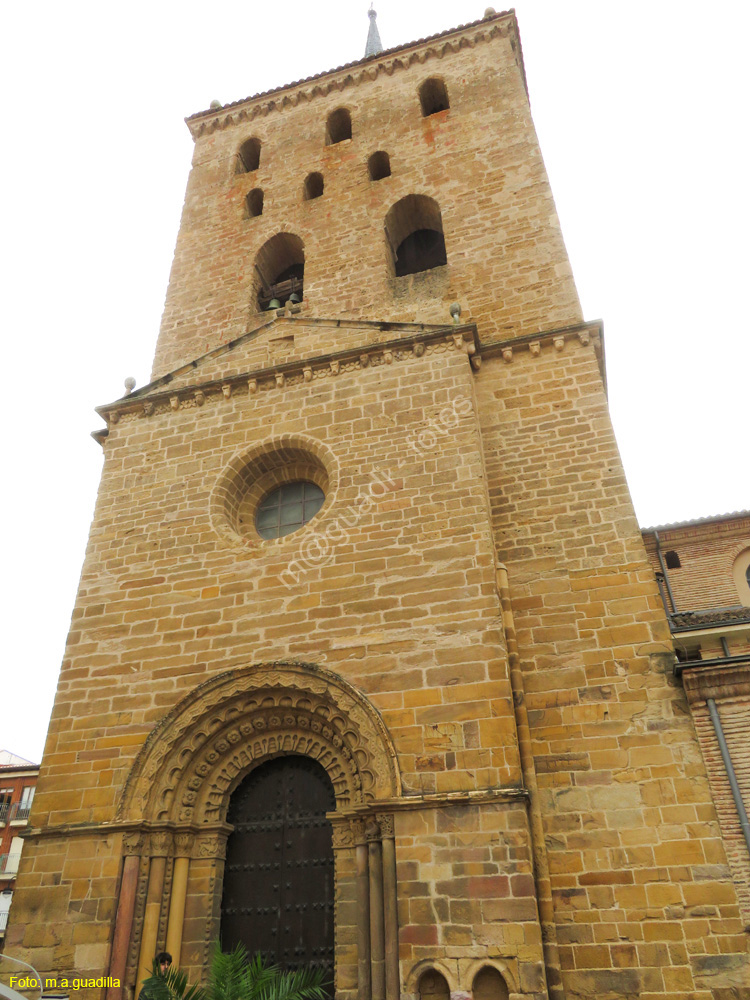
(463, 338)
(716, 680)
(352, 74)
(161, 396)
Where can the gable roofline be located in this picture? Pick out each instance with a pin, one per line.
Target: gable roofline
(161, 383)
(370, 67)
(709, 519)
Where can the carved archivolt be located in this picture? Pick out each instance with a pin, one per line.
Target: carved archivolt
(197, 755)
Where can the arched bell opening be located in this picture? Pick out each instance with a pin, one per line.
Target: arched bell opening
(414, 230)
(280, 271)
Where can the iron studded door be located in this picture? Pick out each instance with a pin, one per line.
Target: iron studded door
(278, 878)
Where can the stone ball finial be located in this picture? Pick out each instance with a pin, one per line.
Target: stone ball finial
(129, 384)
(215, 105)
(490, 11)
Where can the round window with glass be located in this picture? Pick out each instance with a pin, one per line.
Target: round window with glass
(286, 508)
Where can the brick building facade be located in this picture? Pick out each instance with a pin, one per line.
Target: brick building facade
(464, 647)
(703, 571)
(18, 778)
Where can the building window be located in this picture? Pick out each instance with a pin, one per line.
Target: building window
(24, 806)
(254, 203)
(741, 577)
(280, 271)
(379, 166)
(6, 794)
(313, 186)
(338, 127)
(248, 156)
(287, 508)
(672, 560)
(433, 97)
(414, 229)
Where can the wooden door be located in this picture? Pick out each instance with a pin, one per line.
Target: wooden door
(278, 879)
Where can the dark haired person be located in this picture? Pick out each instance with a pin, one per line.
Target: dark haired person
(163, 960)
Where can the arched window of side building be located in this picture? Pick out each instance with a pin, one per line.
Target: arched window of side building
(741, 577)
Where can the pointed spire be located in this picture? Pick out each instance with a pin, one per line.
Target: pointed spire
(374, 45)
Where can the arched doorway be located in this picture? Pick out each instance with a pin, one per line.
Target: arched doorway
(278, 895)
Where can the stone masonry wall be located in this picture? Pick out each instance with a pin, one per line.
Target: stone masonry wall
(643, 899)
(479, 160)
(405, 608)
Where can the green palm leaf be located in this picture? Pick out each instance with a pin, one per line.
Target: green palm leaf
(234, 976)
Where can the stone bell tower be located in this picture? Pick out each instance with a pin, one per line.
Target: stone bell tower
(368, 668)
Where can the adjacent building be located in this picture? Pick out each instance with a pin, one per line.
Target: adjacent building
(17, 785)
(703, 571)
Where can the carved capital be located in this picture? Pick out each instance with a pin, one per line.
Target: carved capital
(343, 836)
(386, 825)
(358, 831)
(212, 845)
(132, 843)
(372, 830)
(183, 845)
(161, 844)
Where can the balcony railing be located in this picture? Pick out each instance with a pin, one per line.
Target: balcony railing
(4, 812)
(9, 863)
(19, 810)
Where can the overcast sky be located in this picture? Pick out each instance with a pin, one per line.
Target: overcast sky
(642, 118)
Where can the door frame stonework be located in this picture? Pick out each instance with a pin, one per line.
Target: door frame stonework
(174, 807)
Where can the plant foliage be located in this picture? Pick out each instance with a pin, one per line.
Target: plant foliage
(234, 976)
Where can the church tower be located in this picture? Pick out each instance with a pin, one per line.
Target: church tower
(368, 667)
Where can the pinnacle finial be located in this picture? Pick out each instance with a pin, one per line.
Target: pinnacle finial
(374, 45)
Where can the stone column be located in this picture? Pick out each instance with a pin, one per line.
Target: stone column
(390, 908)
(160, 846)
(124, 915)
(377, 926)
(364, 986)
(183, 846)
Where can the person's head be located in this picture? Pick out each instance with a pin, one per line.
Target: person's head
(163, 960)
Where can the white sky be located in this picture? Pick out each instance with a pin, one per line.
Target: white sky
(642, 118)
